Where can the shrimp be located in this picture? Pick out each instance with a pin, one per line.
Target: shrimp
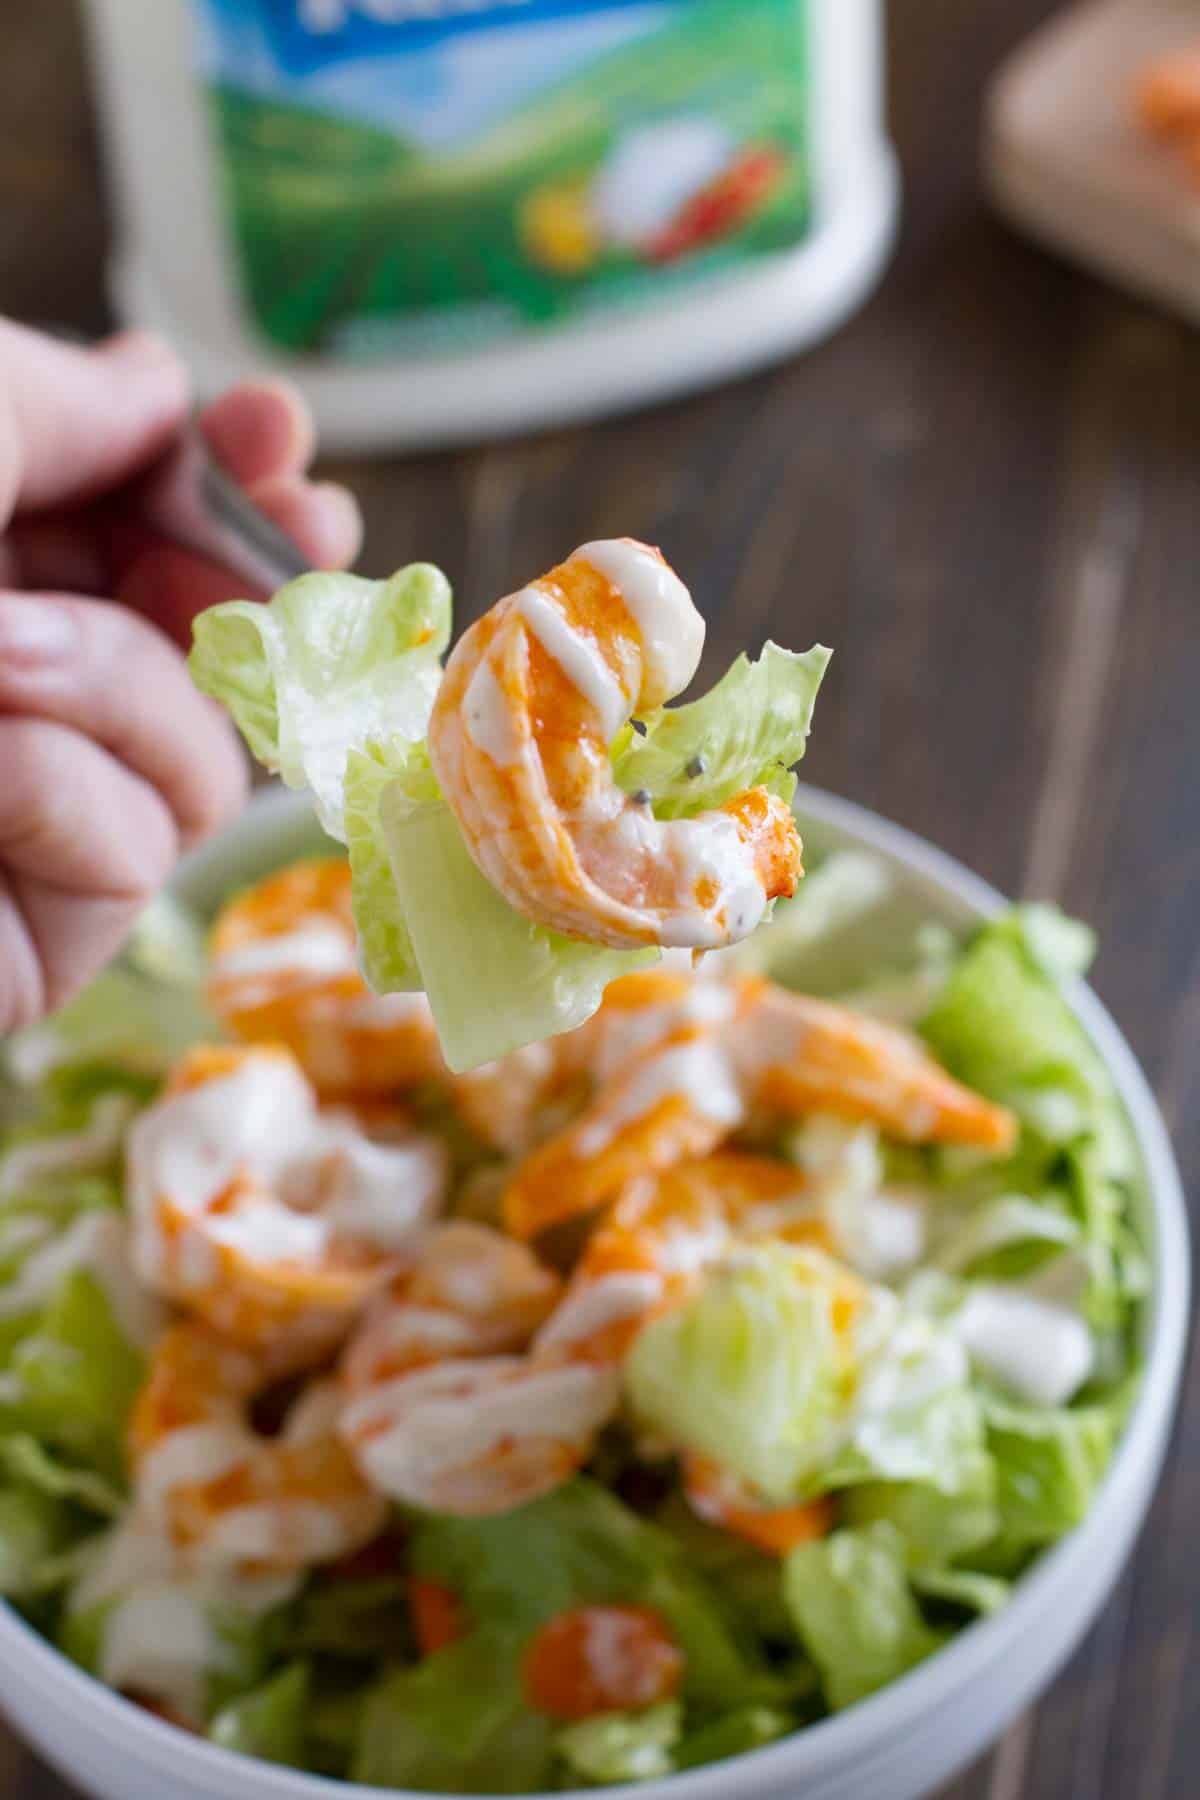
(435, 1416)
(470, 1291)
(284, 969)
(717, 1053)
(793, 1055)
(664, 1233)
(223, 1493)
(532, 698)
(666, 1093)
(272, 1222)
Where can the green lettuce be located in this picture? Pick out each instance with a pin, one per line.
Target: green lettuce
(34, 1529)
(746, 1372)
(855, 1611)
(623, 1746)
(848, 886)
(72, 1380)
(494, 979)
(747, 731)
(333, 662)
(745, 1728)
(1049, 1462)
(270, 1721)
(456, 1723)
(580, 1545)
(960, 1590)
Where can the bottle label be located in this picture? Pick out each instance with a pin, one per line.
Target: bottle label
(420, 176)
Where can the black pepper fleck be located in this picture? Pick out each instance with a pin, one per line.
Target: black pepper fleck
(642, 797)
(696, 767)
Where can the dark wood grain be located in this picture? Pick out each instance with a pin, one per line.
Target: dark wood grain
(984, 493)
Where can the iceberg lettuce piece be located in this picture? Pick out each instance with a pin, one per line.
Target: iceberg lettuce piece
(747, 731)
(34, 1529)
(855, 1612)
(580, 1545)
(72, 1380)
(494, 979)
(270, 1721)
(623, 1746)
(456, 1723)
(748, 1371)
(330, 664)
(737, 1732)
(1049, 1462)
(846, 887)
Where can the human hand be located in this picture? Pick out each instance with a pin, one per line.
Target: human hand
(110, 761)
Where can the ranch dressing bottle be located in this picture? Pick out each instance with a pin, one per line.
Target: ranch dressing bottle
(448, 219)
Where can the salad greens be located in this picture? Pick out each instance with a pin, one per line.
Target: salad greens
(332, 684)
(807, 1379)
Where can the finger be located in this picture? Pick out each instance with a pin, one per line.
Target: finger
(74, 421)
(84, 843)
(107, 673)
(321, 517)
(171, 586)
(52, 943)
(260, 431)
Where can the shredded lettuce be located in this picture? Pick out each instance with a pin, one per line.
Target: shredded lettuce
(744, 1729)
(332, 663)
(494, 979)
(855, 1611)
(1049, 1463)
(748, 1371)
(71, 1381)
(456, 1723)
(34, 1529)
(270, 1721)
(747, 731)
(623, 1746)
(580, 1545)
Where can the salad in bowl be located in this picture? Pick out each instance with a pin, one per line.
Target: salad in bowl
(460, 1346)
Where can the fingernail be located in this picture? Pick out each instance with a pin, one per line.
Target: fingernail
(342, 520)
(34, 633)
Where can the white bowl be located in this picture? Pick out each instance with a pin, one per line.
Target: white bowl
(898, 1744)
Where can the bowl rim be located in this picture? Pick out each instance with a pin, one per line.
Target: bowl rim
(874, 1723)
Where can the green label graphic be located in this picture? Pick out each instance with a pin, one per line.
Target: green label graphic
(419, 178)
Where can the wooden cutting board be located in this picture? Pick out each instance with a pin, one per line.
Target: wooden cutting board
(1067, 162)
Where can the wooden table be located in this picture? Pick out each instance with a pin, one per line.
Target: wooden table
(986, 494)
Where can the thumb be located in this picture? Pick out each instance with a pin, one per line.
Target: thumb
(76, 421)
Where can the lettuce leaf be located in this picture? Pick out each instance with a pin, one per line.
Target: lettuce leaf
(494, 979)
(34, 1529)
(855, 1612)
(270, 1721)
(747, 1371)
(1049, 1463)
(745, 1728)
(332, 663)
(747, 731)
(581, 1545)
(623, 1746)
(71, 1382)
(456, 1723)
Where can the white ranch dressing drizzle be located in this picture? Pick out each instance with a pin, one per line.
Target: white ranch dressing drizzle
(311, 1177)
(190, 1456)
(488, 718)
(1041, 1351)
(95, 1143)
(580, 660)
(316, 950)
(696, 1070)
(409, 1432)
(671, 629)
(595, 1305)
